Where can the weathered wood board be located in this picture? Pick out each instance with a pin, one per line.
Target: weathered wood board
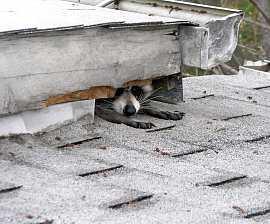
(37, 66)
(52, 48)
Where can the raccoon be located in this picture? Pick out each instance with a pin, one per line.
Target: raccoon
(130, 101)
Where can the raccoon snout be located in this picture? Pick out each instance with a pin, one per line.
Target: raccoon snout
(129, 110)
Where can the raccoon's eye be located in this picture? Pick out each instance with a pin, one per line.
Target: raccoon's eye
(119, 91)
(136, 91)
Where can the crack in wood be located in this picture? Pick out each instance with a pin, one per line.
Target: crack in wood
(130, 202)
(236, 117)
(258, 139)
(202, 97)
(71, 144)
(100, 171)
(9, 189)
(227, 181)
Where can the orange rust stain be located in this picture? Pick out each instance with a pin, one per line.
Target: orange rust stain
(138, 83)
(97, 92)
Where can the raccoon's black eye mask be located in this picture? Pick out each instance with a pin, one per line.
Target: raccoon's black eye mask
(137, 91)
(119, 92)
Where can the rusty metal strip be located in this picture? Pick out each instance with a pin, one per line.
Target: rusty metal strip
(92, 93)
(97, 92)
(138, 83)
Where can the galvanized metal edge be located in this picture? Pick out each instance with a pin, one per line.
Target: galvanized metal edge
(113, 25)
(188, 4)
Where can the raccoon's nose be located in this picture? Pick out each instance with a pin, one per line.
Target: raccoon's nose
(129, 110)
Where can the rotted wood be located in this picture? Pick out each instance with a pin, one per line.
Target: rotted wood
(98, 92)
(92, 93)
(138, 83)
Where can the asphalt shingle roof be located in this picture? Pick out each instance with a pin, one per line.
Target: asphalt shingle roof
(212, 167)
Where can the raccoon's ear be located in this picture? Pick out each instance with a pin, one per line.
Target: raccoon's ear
(119, 92)
(147, 88)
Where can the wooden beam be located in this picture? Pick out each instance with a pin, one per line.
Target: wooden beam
(97, 92)
(138, 83)
(88, 94)
(57, 67)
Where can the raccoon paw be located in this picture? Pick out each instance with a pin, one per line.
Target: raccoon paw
(141, 125)
(167, 115)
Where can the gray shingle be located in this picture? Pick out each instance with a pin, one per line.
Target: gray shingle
(221, 173)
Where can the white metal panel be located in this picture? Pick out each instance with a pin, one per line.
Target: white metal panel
(30, 122)
(216, 38)
(52, 14)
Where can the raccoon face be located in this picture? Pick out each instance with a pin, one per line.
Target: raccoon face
(127, 100)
